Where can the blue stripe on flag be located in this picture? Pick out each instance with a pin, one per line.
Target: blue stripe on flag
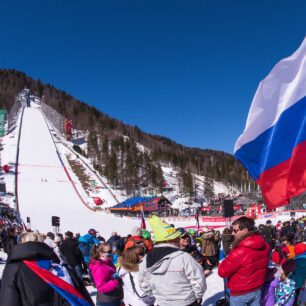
(69, 297)
(276, 144)
(221, 254)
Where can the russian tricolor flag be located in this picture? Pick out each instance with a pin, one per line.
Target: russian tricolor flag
(273, 144)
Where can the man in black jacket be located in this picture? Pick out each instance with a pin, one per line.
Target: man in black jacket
(21, 286)
(269, 234)
(287, 230)
(72, 254)
(116, 242)
(10, 240)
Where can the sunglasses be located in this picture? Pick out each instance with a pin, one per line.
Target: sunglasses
(108, 252)
(141, 254)
(236, 231)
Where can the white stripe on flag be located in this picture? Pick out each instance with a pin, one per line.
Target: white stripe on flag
(283, 87)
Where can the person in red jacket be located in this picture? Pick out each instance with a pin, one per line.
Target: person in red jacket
(246, 264)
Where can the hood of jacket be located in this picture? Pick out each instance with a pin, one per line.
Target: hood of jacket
(128, 266)
(158, 260)
(86, 238)
(31, 251)
(50, 242)
(251, 240)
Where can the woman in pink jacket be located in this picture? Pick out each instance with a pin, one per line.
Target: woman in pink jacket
(109, 285)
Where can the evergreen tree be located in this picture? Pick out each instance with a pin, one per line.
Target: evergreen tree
(208, 188)
(131, 168)
(105, 155)
(147, 165)
(105, 147)
(186, 181)
(121, 158)
(92, 146)
(159, 178)
(112, 168)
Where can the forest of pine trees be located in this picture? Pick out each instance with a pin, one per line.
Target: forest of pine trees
(123, 164)
(112, 145)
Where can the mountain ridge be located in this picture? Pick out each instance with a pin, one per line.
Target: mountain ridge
(214, 164)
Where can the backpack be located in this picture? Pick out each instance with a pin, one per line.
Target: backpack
(85, 249)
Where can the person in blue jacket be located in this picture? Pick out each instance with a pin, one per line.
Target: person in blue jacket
(86, 242)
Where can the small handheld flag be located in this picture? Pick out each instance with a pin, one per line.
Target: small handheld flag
(143, 220)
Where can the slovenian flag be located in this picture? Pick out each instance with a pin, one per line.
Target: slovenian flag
(272, 146)
(67, 291)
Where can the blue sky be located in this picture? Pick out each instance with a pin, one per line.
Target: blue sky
(187, 70)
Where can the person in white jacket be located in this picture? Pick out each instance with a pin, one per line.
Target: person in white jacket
(128, 272)
(52, 244)
(172, 276)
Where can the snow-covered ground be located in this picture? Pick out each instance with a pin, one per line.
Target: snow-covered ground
(48, 187)
(44, 189)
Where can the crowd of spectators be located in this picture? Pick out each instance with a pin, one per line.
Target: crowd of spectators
(264, 265)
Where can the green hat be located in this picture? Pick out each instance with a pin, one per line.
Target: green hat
(162, 230)
(192, 231)
(145, 234)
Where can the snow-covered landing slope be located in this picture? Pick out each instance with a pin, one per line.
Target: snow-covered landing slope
(44, 189)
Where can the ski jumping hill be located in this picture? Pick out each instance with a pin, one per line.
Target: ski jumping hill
(45, 188)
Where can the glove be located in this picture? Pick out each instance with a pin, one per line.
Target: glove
(116, 276)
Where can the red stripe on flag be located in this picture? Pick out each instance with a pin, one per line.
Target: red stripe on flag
(52, 279)
(286, 180)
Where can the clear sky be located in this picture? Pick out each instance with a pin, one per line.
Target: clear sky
(187, 70)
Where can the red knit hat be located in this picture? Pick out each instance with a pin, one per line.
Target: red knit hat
(288, 266)
(300, 248)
